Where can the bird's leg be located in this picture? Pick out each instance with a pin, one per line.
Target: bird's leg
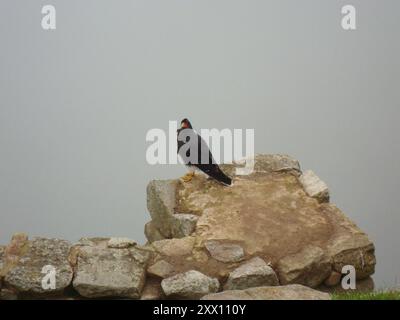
(188, 176)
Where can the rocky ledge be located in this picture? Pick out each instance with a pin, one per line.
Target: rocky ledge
(272, 235)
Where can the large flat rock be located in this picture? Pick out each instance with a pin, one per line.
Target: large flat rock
(269, 214)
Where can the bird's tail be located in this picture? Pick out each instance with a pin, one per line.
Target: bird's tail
(221, 177)
(225, 179)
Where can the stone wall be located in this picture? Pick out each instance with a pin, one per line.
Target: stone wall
(273, 234)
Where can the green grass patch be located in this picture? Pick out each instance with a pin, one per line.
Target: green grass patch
(375, 295)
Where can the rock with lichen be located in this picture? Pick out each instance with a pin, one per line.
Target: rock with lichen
(276, 213)
(189, 285)
(101, 271)
(37, 267)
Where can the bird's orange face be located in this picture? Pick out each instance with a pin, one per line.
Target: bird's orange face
(185, 124)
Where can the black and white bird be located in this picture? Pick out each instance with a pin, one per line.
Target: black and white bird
(205, 163)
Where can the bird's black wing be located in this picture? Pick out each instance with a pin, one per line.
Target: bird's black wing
(209, 167)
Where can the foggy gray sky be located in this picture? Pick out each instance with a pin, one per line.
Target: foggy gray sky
(76, 103)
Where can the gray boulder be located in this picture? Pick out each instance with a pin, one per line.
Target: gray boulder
(356, 250)
(309, 267)
(161, 203)
(254, 273)
(165, 223)
(30, 266)
(109, 272)
(314, 186)
(189, 285)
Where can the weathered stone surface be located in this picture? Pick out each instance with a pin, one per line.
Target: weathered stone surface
(12, 252)
(309, 267)
(314, 186)
(224, 252)
(160, 203)
(183, 224)
(255, 212)
(119, 243)
(189, 285)
(268, 214)
(152, 290)
(152, 233)
(161, 269)
(355, 250)
(174, 247)
(333, 279)
(289, 292)
(107, 272)
(24, 263)
(254, 273)
(161, 198)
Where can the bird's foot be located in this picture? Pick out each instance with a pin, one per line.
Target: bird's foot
(188, 177)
